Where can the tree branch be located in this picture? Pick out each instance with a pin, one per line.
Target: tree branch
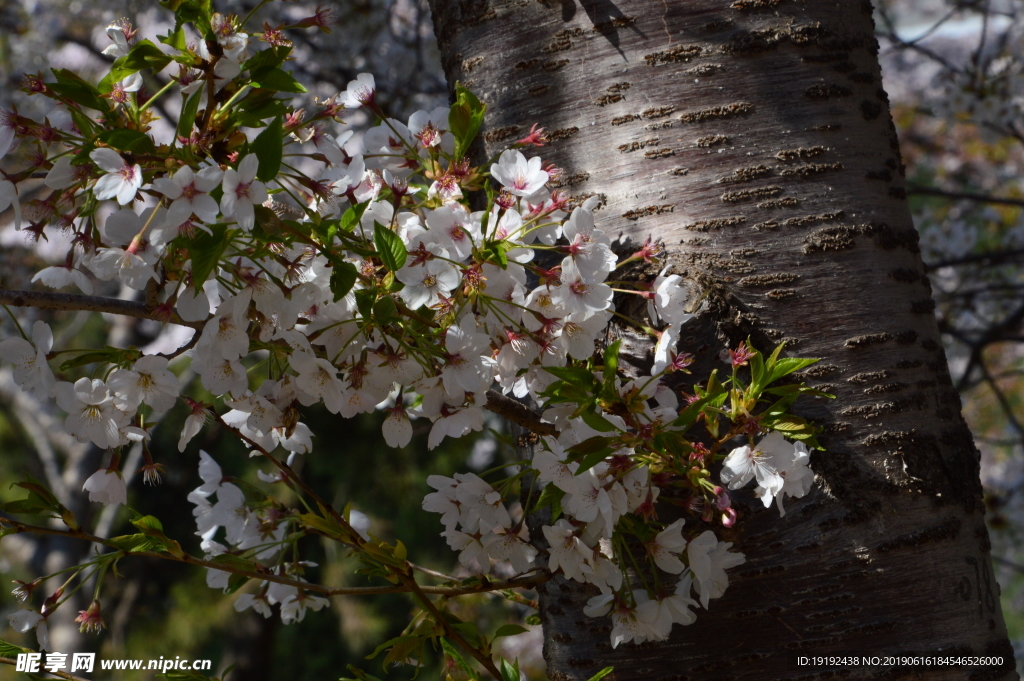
(987, 258)
(518, 413)
(969, 196)
(525, 581)
(67, 301)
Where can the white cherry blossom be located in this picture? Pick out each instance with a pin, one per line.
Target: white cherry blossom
(121, 181)
(92, 416)
(189, 193)
(359, 92)
(664, 550)
(31, 370)
(242, 191)
(566, 551)
(106, 486)
(147, 381)
(709, 559)
(519, 176)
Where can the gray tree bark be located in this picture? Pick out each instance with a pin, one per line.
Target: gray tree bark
(753, 137)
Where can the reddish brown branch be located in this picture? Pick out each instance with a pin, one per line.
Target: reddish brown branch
(71, 302)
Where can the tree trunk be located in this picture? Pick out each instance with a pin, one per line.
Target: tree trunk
(754, 138)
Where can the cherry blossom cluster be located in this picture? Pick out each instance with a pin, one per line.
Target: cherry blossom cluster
(604, 504)
(314, 266)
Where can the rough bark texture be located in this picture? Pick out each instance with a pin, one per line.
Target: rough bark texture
(754, 138)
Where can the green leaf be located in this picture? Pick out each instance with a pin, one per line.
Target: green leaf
(450, 650)
(268, 147)
(388, 644)
(175, 39)
(390, 249)
(601, 674)
(590, 445)
(510, 630)
(573, 375)
(343, 278)
(385, 311)
(148, 522)
(591, 460)
(611, 361)
(509, 672)
(269, 58)
(272, 78)
(327, 526)
(788, 365)
(137, 543)
(498, 251)
(757, 374)
(107, 354)
(598, 422)
(129, 141)
(256, 107)
(365, 298)
(206, 250)
(351, 217)
(70, 86)
(146, 55)
(11, 650)
(533, 619)
(31, 505)
(189, 110)
(267, 221)
(195, 11)
(551, 496)
(84, 123)
(464, 119)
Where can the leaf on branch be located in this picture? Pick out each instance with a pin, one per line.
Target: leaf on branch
(269, 58)
(11, 650)
(343, 278)
(272, 78)
(453, 653)
(465, 118)
(206, 250)
(128, 140)
(70, 86)
(509, 672)
(510, 630)
(268, 149)
(189, 111)
(390, 249)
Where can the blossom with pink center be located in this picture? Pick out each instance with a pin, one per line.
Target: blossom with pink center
(519, 176)
(242, 191)
(360, 92)
(91, 619)
(121, 181)
(188, 191)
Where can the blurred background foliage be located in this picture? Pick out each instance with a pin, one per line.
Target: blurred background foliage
(954, 71)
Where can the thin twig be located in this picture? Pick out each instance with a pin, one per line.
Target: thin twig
(71, 302)
(526, 581)
(967, 196)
